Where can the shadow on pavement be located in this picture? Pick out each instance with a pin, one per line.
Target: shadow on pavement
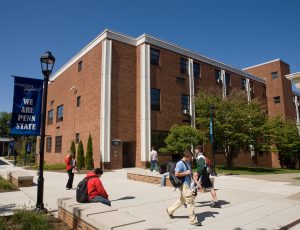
(125, 198)
(7, 208)
(207, 203)
(203, 215)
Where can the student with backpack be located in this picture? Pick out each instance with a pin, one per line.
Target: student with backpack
(95, 191)
(183, 172)
(202, 175)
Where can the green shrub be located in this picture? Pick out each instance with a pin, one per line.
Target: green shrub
(89, 162)
(6, 185)
(72, 148)
(31, 220)
(57, 166)
(2, 223)
(80, 156)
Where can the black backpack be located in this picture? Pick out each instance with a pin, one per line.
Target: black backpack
(175, 181)
(162, 169)
(82, 191)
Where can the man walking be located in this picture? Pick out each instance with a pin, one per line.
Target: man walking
(154, 160)
(183, 170)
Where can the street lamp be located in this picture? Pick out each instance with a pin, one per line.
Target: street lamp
(47, 63)
(211, 136)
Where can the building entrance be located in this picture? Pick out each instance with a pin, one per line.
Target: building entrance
(128, 154)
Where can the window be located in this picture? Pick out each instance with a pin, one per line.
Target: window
(78, 101)
(196, 70)
(48, 144)
(277, 99)
(227, 79)
(264, 92)
(183, 65)
(180, 80)
(243, 83)
(218, 76)
(251, 84)
(79, 66)
(50, 117)
(185, 102)
(274, 75)
(155, 99)
(60, 113)
(154, 57)
(58, 144)
(77, 138)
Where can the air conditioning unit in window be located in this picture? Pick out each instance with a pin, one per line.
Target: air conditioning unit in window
(186, 112)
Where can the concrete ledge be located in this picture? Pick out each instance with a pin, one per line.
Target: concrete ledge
(21, 179)
(92, 215)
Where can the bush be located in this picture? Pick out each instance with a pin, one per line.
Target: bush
(58, 166)
(31, 220)
(6, 185)
(2, 223)
(72, 148)
(80, 156)
(89, 162)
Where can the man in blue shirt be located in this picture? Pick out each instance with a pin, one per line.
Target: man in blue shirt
(183, 169)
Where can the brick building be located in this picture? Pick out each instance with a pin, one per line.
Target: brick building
(122, 90)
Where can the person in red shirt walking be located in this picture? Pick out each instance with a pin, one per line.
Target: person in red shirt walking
(70, 164)
(95, 188)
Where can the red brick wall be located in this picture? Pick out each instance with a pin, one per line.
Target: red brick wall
(84, 119)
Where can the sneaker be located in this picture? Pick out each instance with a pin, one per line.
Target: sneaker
(160, 185)
(196, 224)
(215, 204)
(170, 215)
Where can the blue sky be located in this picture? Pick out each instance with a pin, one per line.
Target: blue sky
(238, 33)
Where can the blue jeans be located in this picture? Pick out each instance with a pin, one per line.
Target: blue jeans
(163, 178)
(153, 165)
(101, 200)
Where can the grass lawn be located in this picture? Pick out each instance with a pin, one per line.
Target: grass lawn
(253, 171)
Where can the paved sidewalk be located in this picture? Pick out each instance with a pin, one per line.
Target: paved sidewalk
(247, 203)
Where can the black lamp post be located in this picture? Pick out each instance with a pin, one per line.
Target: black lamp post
(211, 135)
(47, 63)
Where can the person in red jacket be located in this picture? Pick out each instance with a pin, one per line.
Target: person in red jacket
(95, 188)
(70, 162)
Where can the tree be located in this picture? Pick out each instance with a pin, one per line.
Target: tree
(282, 137)
(237, 123)
(182, 138)
(80, 156)
(89, 162)
(4, 124)
(72, 148)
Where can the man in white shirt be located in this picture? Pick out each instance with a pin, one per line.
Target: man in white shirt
(153, 160)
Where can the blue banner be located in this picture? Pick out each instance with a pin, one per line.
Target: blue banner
(26, 114)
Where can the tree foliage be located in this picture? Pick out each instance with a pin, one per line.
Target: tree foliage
(237, 123)
(80, 156)
(72, 148)
(182, 138)
(282, 137)
(4, 124)
(89, 162)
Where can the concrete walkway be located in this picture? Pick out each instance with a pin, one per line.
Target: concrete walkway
(247, 203)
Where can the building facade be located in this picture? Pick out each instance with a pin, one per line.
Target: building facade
(122, 90)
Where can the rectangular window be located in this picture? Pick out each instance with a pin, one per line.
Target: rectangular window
(227, 79)
(243, 83)
(277, 99)
(77, 138)
(154, 57)
(180, 80)
(58, 144)
(264, 92)
(183, 65)
(185, 103)
(79, 66)
(78, 101)
(196, 70)
(50, 117)
(60, 113)
(218, 76)
(155, 99)
(274, 75)
(48, 144)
